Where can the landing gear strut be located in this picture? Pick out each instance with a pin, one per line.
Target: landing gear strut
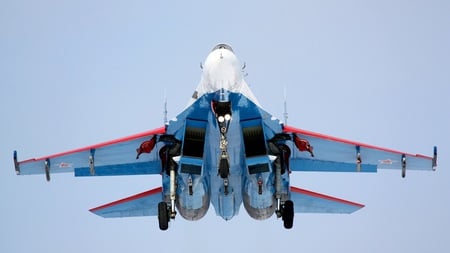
(166, 210)
(224, 165)
(278, 148)
(172, 211)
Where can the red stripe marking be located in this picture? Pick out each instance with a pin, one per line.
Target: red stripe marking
(160, 130)
(331, 138)
(128, 199)
(322, 196)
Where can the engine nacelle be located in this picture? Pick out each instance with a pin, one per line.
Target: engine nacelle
(258, 191)
(193, 197)
(259, 206)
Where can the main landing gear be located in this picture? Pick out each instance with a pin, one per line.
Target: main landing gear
(166, 211)
(284, 209)
(163, 216)
(287, 214)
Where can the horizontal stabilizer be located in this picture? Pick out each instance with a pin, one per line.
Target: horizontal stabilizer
(142, 204)
(311, 202)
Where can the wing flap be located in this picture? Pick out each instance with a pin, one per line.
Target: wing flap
(137, 168)
(142, 204)
(306, 164)
(340, 155)
(116, 157)
(311, 202)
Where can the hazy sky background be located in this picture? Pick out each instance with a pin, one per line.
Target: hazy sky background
(75, 73)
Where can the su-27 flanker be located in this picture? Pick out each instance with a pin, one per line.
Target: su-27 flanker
(224, 150)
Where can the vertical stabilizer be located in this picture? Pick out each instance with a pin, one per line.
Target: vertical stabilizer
(166, 122)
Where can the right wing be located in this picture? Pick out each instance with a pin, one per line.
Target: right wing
(124, 156)
(319, 152)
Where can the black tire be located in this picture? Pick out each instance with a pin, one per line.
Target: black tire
(163, 216)
(224, 168)
(288, 214)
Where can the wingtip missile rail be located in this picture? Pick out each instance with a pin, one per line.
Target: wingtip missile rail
(16, 163)
(434, 158)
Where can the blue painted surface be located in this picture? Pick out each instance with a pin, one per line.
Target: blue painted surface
(304, 164)
(336, 156)
(142, 204)
(207, 185)
(119, 158)
(142, 168)
(304, 203)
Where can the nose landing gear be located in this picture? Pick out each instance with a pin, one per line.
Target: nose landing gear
(224, 171)
(222, 111)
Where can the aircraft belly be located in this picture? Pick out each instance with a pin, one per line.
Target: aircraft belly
(226, 205)
(226, 202)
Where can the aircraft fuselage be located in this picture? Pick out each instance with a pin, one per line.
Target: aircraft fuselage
(224, 157)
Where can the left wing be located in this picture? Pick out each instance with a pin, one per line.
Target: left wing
(124, 156)
(319, 152)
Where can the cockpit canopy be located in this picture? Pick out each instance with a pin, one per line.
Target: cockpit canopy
(223, 46)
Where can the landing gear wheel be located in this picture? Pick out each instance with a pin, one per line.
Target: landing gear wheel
(163, 216)
(288, 214)
(224, 168)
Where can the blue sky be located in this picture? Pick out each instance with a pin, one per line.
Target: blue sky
(75, 73)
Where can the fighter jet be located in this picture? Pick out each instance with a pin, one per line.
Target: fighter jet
(224, 150)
